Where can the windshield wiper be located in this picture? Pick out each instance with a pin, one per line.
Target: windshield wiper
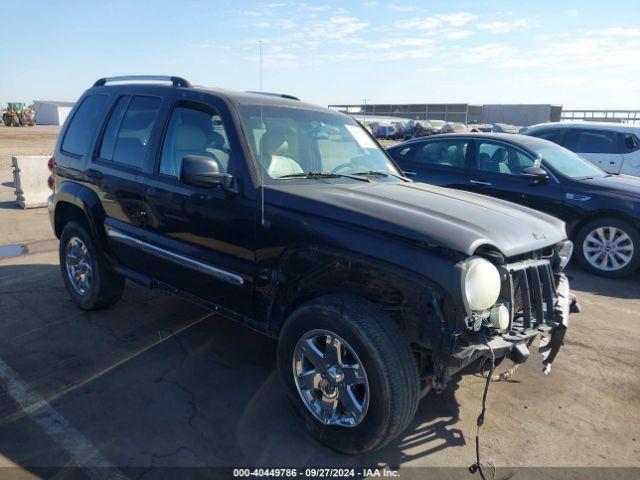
(324, 175)
(382, 173)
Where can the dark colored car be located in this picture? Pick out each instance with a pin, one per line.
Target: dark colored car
(601, 210)
(291, 219)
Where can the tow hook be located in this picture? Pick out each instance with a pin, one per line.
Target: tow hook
(519, 353)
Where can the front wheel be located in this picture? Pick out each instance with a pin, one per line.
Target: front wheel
(609, 247)
(88, 277)
(349, 373)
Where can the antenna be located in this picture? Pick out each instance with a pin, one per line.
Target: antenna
(262, 222)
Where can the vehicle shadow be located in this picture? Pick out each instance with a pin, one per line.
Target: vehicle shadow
(156, 382)
(625, 288)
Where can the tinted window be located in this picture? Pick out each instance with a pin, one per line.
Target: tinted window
(83, 124)
(111, 132)
(631, 143)
(194, 131)
(501, 158)
(401, 153)
(591, 141)
(446, 154)
(551, 135)
(133, 130)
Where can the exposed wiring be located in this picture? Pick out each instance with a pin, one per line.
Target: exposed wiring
(501, 377)
(478, 466)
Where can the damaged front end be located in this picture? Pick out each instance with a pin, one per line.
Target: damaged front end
(534, 302)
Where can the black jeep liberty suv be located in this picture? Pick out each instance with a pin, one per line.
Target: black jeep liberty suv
(290, 218)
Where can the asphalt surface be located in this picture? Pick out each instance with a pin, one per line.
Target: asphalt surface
(157, 383)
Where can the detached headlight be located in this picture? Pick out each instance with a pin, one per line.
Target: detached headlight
(481, 284)
(565, 250)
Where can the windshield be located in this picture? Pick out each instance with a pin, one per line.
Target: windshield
(566, 162)
(292, 142)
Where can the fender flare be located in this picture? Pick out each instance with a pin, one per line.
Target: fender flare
(86, 200)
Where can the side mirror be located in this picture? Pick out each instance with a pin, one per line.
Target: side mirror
(536, 174)
(201, 171)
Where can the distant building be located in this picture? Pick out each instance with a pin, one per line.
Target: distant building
(49, 112)
(515, 114)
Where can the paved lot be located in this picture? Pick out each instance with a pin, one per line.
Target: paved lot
(158, 382)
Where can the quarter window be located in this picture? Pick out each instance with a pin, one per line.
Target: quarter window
(83, 124)
(444, 153)
(591, 141)
(126, 137)
(631, 143)
(501, 158)
(194, 131)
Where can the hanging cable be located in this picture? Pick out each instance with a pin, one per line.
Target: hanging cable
(478, 466)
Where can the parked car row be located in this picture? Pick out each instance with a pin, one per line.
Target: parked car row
(601, 209)
(408, 129)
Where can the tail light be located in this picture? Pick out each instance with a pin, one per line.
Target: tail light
(51, 165)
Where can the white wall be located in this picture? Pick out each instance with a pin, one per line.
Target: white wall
(49, 114)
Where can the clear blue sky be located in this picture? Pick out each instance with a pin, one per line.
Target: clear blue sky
(582, 54)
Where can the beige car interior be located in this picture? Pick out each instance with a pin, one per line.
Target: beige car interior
(277, 149)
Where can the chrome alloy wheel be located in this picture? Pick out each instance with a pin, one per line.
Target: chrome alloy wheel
(608, 248)
(330, 379)
(79, 266)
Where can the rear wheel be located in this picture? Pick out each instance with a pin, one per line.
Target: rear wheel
(86, 273)
(349, 373)
(609, 247)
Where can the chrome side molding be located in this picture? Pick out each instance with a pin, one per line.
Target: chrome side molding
(188, 262)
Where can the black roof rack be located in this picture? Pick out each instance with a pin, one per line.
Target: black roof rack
(176, 81)
(281, 95)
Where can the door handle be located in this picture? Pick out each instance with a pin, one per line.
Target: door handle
(93, 174)
(480, 182)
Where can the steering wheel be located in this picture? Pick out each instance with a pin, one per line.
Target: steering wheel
(342, 166)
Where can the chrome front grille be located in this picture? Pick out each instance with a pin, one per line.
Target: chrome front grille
(532, 293)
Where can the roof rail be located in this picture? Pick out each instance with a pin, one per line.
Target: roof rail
(281, 95)
(176, 81)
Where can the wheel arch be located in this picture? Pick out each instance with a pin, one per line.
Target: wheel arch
(73, 202)
(575, 227)
(414, 302)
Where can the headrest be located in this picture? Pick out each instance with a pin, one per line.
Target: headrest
(500, 155)
(274, 143)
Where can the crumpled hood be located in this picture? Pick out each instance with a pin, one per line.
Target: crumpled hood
(454, 219)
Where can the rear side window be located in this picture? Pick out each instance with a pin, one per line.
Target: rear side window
(126, 138)
(591, 141)
(550, 135)
(83, 124)
(631, 143)
(443, 153)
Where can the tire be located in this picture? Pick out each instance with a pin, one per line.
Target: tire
(390, 371)
(584, 241)
(105, 286)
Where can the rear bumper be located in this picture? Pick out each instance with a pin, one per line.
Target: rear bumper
(516, 343)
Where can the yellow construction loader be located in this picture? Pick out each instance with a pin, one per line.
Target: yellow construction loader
(17, 115)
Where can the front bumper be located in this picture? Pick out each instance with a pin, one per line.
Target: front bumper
(515, 343)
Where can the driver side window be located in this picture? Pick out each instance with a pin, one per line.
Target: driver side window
(501, 158)
(197, 131)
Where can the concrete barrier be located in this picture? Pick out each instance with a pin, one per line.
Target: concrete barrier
(30, 174)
